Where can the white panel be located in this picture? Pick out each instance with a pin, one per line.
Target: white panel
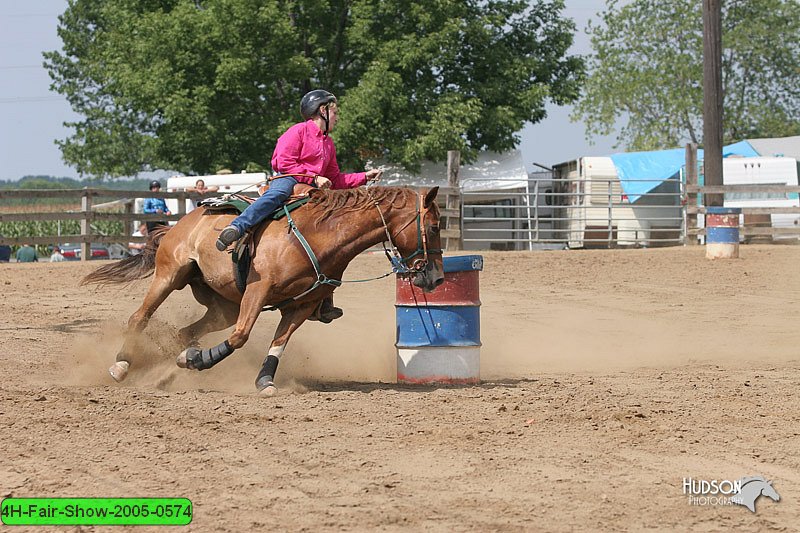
(431, 364)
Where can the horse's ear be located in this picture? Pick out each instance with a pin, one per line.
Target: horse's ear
(431, 196)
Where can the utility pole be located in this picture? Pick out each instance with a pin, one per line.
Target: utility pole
(712, 99)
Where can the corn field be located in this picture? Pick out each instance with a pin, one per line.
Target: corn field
(45, 228)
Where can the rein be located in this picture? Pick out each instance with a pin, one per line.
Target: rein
(269, 178)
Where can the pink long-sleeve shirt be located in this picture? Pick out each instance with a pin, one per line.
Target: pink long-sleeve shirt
(303, 149)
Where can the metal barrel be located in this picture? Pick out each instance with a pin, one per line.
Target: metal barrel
(439, 333)
(722, 232)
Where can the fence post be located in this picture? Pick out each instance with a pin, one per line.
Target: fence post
(453, 164)
(86, 207)
(127, 225)
(690, 197)
(182, 203)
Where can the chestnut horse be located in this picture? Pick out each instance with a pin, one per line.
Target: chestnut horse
(295, 277)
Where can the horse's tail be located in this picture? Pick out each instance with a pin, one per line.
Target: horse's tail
(131, 268)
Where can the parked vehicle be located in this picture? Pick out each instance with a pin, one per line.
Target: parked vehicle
(72, 252)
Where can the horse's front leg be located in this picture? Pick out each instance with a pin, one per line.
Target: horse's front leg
(291, 319)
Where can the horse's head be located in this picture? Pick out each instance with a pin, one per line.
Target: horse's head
(769, 491)
(420, 245)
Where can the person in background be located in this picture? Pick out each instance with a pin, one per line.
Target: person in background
(5, 253)
(56, 256)
(200, 187)
(155, 205)
(307, 149)
(137, 247)
(26, 254)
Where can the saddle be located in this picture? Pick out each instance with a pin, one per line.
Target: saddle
(237, 203)
(242, 253)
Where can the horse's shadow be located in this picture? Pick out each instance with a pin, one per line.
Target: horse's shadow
(369, 387)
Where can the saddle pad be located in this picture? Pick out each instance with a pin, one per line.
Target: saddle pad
(221, 205)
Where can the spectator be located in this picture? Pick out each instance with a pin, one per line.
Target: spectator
(26, 254)
(200, 187)
(5, 253)
(137, 247)
(155, 205)
(56, 256)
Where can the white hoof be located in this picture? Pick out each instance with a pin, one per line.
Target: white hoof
(270, 390)
(181, 359)
(119, 370)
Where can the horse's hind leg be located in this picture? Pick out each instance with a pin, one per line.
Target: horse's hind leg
(220, 313)
(162, 285)
(253, 301)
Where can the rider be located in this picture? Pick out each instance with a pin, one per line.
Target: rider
(307, 149)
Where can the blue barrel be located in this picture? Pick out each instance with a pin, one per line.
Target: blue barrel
(439, 333)
(722, 232)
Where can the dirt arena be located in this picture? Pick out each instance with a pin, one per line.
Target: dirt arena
(609, 376)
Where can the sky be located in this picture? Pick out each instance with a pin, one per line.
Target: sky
(32, 116)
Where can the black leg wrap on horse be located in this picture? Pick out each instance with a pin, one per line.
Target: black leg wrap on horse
(206, 358)
(267, 374)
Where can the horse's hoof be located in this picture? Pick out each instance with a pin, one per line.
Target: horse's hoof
(269, 390)
(183, 359)
(265, 386)
(119, 370)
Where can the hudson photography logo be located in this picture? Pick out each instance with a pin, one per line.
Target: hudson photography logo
(744, 491)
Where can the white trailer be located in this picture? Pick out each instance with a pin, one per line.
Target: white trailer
(245, 182)
(596, 212)
(761, 171)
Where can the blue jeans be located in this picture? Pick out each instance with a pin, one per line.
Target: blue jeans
(279, 191)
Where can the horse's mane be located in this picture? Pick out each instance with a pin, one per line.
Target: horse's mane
(349, 200)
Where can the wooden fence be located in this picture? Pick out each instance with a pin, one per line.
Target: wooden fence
(757, 220)
(88, 213)
(449, 196)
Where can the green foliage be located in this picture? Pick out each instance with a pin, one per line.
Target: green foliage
(196, 85)
(647, 70)
(46, 228)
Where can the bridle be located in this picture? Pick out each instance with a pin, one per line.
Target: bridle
(399, 263)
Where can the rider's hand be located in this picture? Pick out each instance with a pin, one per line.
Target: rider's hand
(322, 182)
(374, 174)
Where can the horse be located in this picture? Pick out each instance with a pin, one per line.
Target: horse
(752, 488)
(292, 269)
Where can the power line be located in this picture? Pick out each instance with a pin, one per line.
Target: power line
(12, 67)
(26, 99)
(26, 15)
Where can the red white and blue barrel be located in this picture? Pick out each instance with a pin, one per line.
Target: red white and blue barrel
(439, 333)
(722, 232)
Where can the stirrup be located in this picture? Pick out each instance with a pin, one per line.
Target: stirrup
(227, 236)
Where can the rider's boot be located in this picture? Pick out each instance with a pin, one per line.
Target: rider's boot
(228, 236)
(326, 312)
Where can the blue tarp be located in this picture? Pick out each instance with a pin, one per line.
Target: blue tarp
(641, 172)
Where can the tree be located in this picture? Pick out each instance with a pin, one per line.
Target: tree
(196, 85)
(646, 70)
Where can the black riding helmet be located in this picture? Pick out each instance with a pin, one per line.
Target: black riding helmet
(155, 183)
(311, 103)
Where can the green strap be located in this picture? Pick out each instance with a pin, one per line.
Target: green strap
(322, 279)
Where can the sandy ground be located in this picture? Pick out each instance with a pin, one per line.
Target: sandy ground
(609, 376)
